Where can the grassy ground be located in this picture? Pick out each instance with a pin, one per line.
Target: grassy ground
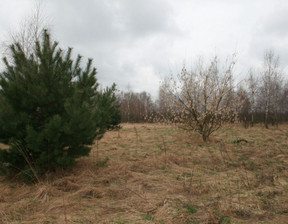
(148, 173)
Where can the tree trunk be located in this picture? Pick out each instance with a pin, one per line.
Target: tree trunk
(266, 120)
(276, 119)
(205, 137)
(267, 112)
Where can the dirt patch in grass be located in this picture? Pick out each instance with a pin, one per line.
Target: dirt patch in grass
(150, 173)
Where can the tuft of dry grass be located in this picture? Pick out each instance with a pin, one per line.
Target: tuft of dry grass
(152, 173)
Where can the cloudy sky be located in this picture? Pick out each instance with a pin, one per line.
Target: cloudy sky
(136, 43)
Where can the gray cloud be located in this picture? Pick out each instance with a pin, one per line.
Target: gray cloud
(271, 33)
(142, 18)
(89, 23)
(125, 38)
(137, 43)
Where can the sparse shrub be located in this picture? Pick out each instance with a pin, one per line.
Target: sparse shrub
(51, 109)
(201, 99)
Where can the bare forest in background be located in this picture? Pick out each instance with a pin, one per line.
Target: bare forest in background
(261, 98)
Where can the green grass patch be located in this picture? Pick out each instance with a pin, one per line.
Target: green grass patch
(191, 209)
(147, 217)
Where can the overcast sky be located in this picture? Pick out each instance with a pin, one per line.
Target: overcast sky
(137, 43)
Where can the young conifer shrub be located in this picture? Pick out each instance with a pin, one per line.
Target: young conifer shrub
(51, 109)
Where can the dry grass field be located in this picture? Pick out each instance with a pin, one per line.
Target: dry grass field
(150, 173)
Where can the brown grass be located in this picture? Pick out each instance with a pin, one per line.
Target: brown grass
(159, 174)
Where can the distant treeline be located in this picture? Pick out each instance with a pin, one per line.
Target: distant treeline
(263, 96)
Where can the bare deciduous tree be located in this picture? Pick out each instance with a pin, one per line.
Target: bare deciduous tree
(30, 30)
(270, 84)
(202, 98)
(252, 91)
(135, 107)
(245, 106)
(284, 100)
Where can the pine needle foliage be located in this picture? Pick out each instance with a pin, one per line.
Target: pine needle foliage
(51, 109)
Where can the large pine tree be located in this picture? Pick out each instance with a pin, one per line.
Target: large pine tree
(51, 109)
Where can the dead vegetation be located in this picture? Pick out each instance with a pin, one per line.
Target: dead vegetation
(148, 173)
